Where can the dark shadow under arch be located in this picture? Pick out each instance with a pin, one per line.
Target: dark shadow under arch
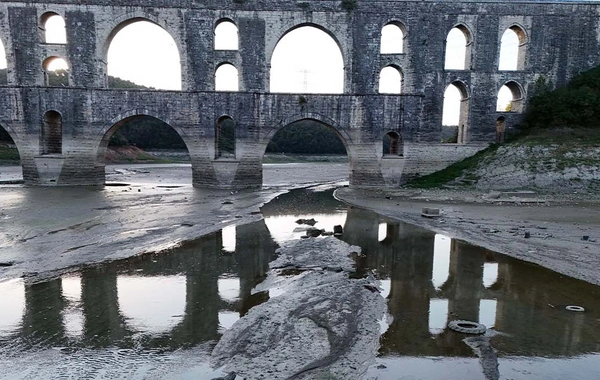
(9, 150)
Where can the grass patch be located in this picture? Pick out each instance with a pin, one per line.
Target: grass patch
(453, 171)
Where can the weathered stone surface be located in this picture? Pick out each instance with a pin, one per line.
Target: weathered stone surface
(561, 39)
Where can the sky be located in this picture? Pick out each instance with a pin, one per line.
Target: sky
(142, 49)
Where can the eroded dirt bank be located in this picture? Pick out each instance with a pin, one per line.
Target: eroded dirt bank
(558, 232)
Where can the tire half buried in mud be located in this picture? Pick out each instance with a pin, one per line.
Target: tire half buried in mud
(467, 327)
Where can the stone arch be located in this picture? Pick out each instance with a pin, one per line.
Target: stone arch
(109, 129)
(517, 62)
(518, 97)
(130, 18)
(329, 33)
(225, 132)
(225, 73)
(220, 33)
(59, 38)
(52, 132)
(464, 63)
(389, 41)
(12, 134)
(58, 80)
(341, 132)
(462, 132)
(391, 73)
(393, 144)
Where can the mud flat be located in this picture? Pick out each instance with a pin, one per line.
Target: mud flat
(559, 232)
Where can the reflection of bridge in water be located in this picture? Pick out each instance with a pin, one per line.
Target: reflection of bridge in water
(426, 283)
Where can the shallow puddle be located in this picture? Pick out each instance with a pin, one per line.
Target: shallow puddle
(142, 317)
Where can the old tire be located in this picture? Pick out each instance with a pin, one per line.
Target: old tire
(574, 308)
(467, 327)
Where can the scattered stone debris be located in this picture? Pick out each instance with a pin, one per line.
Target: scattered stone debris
(227, 203)
(310, 222)
(585, 237)
(527, 235)
(314, 232)
(338, 230)
(430, 212)
(7, 264)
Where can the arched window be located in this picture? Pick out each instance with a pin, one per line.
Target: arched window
(52, 133)
(458, 49)
(3, 65)
(226, 78)
(455, 113)
(226, 36)
(510, 98)
(392, 144)
(56, 72)
(143, 54)
(390, 80)
(392, 39)
(512, 49)
(53, 27)
(225, 138)
(307, 60)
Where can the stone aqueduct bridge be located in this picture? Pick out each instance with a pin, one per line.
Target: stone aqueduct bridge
(557, 40)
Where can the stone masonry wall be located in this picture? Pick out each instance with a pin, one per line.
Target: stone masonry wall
(561, 39)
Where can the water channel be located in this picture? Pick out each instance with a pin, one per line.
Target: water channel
(159, 315)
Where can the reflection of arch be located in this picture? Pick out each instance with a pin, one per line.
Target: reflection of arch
(52, 133)
(287, 79)
(392, 38)
(225, 137)
(56, 77)
(226, 77)
(226, 35)
(517, 97)
(56, 35)
(463, 33)
(390, 80)
(462, 105)
(393, 144)
(512, 57)
(113, 126)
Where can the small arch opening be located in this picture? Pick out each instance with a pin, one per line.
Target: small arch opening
(307, 60)
(392, 39)
(393, 144)
(512, 49)
(3, 65)
(54, 28)
(226, 35)
(458, 49)
(141, 54)
(52, 133)
(390, 80)
(510, 98)
(500, 129)
(225, 138)
(56, 72)
(226, 78)
(455, 114)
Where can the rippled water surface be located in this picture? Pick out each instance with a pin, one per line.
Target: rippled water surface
(159, 315)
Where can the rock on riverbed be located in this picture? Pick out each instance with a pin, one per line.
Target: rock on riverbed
(326, 325)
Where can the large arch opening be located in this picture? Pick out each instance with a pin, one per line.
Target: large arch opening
(306, 141)
(142, 54)
(512, 49)
(151, 145)
(9, 152)
(510, 98)
(307, 60)
(458, 49)
(52, 25)
(455, 114)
